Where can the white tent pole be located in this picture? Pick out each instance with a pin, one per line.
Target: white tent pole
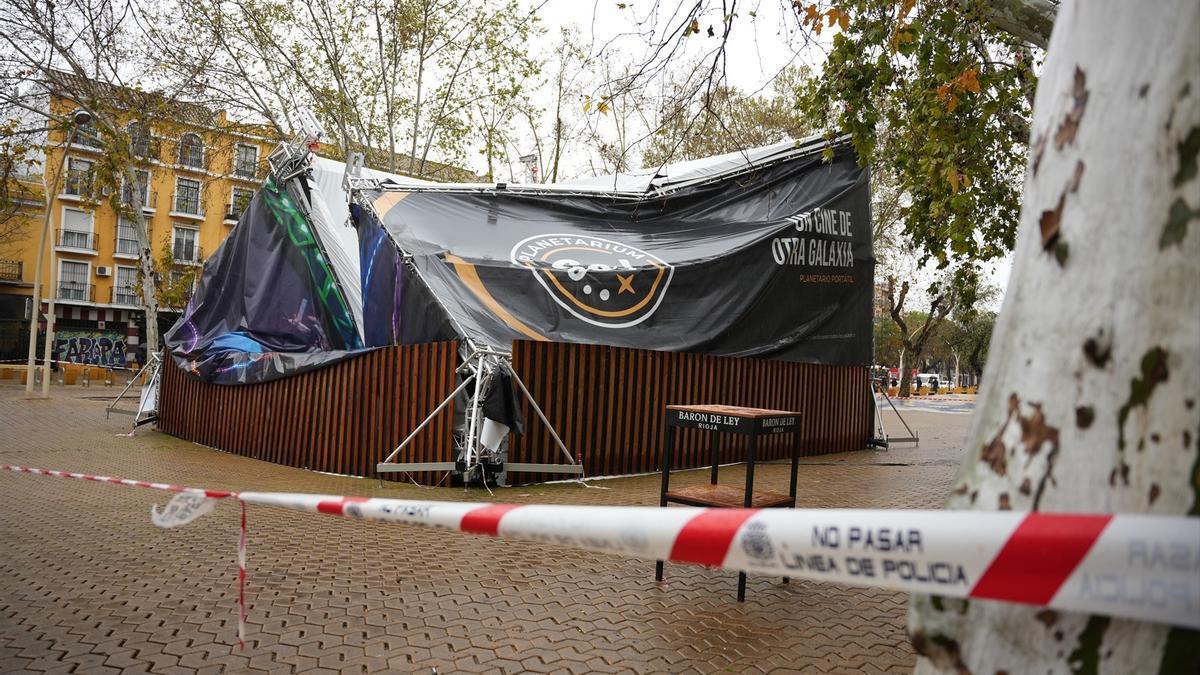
(155, 382)
(474, 410)
(129, 384)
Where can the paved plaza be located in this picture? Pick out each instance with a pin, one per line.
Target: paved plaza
(88, 585)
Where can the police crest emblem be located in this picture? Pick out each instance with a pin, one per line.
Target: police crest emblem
(757, 543)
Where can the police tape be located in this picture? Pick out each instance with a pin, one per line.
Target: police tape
(1132, 566)
(101, 366)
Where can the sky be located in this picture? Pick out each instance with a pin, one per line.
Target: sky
(763, 41)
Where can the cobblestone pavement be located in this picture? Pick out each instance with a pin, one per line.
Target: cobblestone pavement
(87, 584)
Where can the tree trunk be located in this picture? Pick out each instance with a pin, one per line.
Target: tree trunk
(416, 121)
(1090, 399)
(145, 264)
(905, 375)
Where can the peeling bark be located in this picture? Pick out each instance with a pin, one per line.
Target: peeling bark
(1088, 403)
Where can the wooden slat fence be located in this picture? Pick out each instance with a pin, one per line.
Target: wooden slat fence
(343, 418)
(607, 403)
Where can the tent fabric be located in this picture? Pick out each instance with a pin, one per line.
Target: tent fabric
(682, 173)
(330, 220)
(768, 256)
(762, 253)
(268, 303)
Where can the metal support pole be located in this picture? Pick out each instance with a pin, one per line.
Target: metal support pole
(48, 346)
(913, 437)
(150, 363)
(39, 289)
(541, 415)
(474, 410)
(428, 419)
(665, 485)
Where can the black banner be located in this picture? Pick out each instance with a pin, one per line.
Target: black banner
(774, 263)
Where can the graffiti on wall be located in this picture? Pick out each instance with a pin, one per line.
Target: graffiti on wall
(92, 347)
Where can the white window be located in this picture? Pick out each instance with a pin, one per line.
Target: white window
(73, 280)
(245, 163)
(78, 180)
(127, 240)
(186, 245)
(239, 202)
(187, 196)
(191, 151)
(125, 286)
(76, 229)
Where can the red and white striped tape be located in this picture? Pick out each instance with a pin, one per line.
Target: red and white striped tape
(1134, 566)
(212, 494)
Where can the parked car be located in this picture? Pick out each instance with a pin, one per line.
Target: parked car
(930, 380)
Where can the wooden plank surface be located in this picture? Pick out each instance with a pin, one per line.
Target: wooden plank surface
(343, 418)
(611, 411)
(733, 410)
(607, 403)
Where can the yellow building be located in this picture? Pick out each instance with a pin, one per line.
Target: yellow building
(196, 173)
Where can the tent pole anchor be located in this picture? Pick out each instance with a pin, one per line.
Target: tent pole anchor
(154, 362)
(913, 437)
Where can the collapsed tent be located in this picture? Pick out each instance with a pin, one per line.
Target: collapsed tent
(765, 253)
(282, 292)
(727, 257)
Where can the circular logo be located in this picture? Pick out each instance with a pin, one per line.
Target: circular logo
(600, 281)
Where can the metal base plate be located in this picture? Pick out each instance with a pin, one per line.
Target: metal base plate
(543, 468)
(384, 467)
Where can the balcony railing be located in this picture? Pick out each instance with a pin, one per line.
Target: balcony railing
(188, 204)
(74, 290)
(124, 296)
(187, 254)
(126, 246)
(87, 137)
(248, 171)
(235, 212)
(11, 270)
(77, 239)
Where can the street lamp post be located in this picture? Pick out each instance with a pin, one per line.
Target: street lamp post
(80, 118)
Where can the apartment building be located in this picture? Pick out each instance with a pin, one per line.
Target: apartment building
(196, 172)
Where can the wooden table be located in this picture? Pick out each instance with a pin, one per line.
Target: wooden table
(725, 419)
